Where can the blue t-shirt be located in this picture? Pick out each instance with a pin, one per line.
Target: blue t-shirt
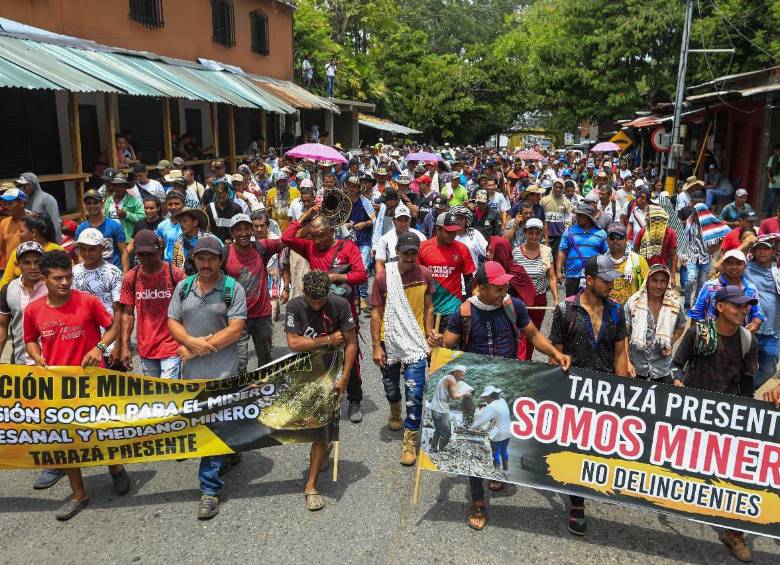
(168, 231)
(358, 215)
(491, 331)
(579, 245)
(112, 235)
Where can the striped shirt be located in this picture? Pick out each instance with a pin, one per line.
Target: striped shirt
(579, 245)
(534, 267)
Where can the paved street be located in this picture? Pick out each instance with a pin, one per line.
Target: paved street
(369, 517)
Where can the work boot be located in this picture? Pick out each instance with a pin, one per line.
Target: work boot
(208, 507)
(735, 541)
(354, 412)
(394, 423)
(409, 450)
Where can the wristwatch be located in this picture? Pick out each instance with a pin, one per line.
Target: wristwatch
(102, 347)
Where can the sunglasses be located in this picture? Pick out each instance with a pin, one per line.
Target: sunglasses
(615, 237)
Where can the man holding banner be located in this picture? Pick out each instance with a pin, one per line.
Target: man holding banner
(206, 317)
(64, 328)
(591, 328)
(315, 320)
(488, 323)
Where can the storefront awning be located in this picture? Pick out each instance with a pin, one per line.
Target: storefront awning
(385, 125)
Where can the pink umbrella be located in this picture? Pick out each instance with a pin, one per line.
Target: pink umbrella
(423, 156)
(316, 152)
(605, 147)
(530, 155)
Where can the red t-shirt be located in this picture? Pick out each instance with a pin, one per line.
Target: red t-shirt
(770, 225)
(66, 333)
(248, 268)
(731, 241)
(670, 242)
(447, 263)
(150, 295)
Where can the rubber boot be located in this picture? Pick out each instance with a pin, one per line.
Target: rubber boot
(394, 422)
(409, 450)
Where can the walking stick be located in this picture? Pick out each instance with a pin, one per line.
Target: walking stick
(417, 477)
(335, 460)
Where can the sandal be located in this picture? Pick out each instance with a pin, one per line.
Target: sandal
(314, 501)
(478, 514)
(495, 486)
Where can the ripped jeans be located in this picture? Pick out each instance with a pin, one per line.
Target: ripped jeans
(414, 388)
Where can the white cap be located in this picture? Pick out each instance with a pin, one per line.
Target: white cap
(639, 183)
(240, 218)
(402, 210)
(490, 389)
(461, 368)
(534, 223)
(90, 236)
(736, 254)
(307, 183)
(238, 177)
(741, 192)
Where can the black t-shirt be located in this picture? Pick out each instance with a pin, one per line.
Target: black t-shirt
(147, 225)
(222, 217)
(488, 224)
(426, 205)
(302, 320)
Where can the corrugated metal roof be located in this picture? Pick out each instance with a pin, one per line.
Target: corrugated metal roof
(385, 125)
(25, 54)
(251, 93)
(293, 94)
(12, 75)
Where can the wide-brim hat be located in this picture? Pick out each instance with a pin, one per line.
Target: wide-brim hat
(199, 215)
(692, 182)
(586, 209)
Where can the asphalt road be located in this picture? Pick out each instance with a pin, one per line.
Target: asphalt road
(369, 516)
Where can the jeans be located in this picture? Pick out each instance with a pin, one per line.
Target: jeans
(442, 430)
(414, 388)
(329, 86)
(572, 285)
(767, 358)
(208, 475)
(261, 332)
(500, 451)
(697, 276)
(720, 192)
(365, 254)
(168, 368)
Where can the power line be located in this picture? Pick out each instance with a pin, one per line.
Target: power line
(739, 32)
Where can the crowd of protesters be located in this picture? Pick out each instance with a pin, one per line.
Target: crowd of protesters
(636, 281)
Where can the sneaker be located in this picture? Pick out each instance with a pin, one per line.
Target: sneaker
(48, 478)
(735, 541)
(354, 412)
(70, 508)
(122, 482)
(208, 507)
(577, 522)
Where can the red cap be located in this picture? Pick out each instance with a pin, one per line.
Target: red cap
(424, 178)
(492, 272)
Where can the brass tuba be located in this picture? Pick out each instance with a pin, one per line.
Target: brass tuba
(336, 206)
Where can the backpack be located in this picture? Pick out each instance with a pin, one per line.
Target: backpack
(259, 247)
(228, 289)
(465, 320)
(745, 337)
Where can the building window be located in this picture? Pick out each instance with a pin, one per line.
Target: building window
(259, 32)
(148, 13)
(222, 22)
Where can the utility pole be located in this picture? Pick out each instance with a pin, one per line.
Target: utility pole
(678, 101)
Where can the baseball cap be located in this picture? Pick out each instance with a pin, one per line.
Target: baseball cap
(403, 179)
(219, 163)
(439, 202)
(389, 194)
(175, 194)
(425, 179)
(534, 223)
(402, 210)
(481, 196)
(238, 218)
(90, 236)
(163, 164)
(108, 172)
(741, 192)
(21, 180)
(306, 183)
(768, 240)
(617, 227)
(735, 295)
(208, 244)
(238, 177)
(448, 221)
(14, 194)
(461, 368)
(491, 272)
(354, 179)
(29, 247)
(145, 241)
(119, 178)
(178, 161)
(749, 215)
(93, 194)
(490, 389)
(138, 168)
(407, 241)
(658, 268)
(735, 254)
(602, 267)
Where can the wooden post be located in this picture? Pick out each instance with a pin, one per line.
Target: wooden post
(335, 461)
(214, 130)
(232, 137)
(764, 196)
(168, 142)
(111, 129)
(417, 478)
(75, 144)
(263, 131)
